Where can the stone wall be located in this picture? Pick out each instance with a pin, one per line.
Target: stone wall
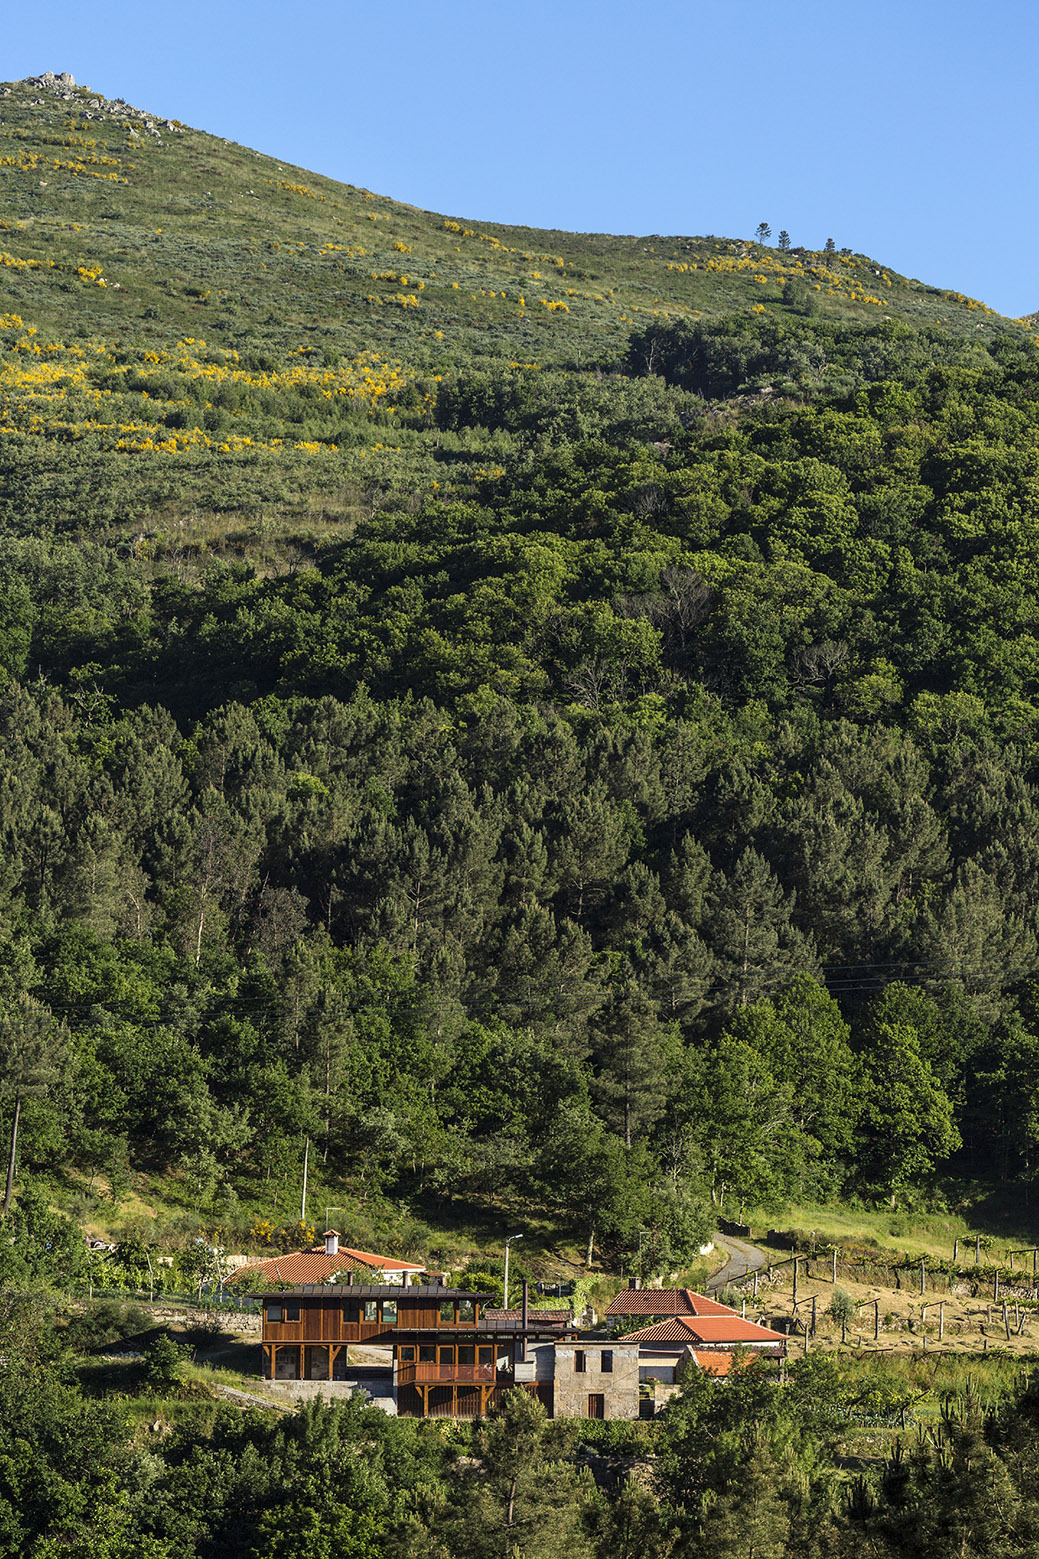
(619, 1387)
(304, 1390)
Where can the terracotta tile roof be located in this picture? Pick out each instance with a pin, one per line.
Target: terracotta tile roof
(713, 1363)
(314, 1266)
(705, 1329)
(385, 1263)
(666, 1301)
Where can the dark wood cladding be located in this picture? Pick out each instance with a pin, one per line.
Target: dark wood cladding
(336, 1314)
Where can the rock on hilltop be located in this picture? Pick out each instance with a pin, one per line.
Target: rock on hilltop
(63, 85)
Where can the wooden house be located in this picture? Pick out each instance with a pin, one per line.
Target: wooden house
(450, 1358)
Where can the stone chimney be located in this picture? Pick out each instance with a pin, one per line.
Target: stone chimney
(634, 1283)
(331, 1242)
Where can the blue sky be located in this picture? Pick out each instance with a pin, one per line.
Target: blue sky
(906, 131)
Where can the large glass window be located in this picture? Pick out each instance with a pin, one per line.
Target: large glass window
(389, 1312)
(447, 1309)
(371, 1309)
(467, 1355)
(352, 1312)
(273, 1313)
(427, 1354)
(466, 1310)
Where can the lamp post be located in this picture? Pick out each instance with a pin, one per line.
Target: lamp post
(508, 1242)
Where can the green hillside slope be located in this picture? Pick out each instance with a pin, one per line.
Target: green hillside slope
(228, 350)
(576, 759)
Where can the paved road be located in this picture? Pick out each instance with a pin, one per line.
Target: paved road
(743, 1258)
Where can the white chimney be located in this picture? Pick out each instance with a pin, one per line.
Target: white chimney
(331, 1242)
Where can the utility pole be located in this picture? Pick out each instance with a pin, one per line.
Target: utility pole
(508, 1242)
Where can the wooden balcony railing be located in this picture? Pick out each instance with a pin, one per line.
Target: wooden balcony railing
(412, 1374)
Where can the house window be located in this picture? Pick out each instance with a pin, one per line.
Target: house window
(447, 1310)
(389, 1312)
(427, 1354)
(466, 1310)
(485, 1355)
(291, 1313)
(596, 1405)
(606, 1361)
(371, 1309)
(273, 1313)
(407, 1355)
(352, 1312)
(447, 1356)
(467, 1355)
(580, 1364)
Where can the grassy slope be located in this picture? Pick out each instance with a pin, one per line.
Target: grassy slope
(119, 242)
(206, 237)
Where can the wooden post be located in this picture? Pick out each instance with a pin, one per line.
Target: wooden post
(876, 1320)
(813, 1315)
(977, 1250)
(743, 1309)
(923, 1277)
(1011, 1261)
(995, 1287)
(1006, 1322)
(835, 1264)
(955, 1251)
(755, 1282)
(796, 1259)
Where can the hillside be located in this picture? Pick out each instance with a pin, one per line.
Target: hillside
(570, 759)
(205, 347)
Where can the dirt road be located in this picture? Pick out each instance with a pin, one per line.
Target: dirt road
(743, 1258)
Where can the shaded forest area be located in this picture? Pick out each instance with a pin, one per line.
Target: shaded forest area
(656, 826)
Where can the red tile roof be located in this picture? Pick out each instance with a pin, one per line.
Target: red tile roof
(666, 1301)
(705, 1329)
(314, 1266)
(385, 1263)
(714, 1363)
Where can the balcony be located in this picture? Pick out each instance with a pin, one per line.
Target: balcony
(441, 1374)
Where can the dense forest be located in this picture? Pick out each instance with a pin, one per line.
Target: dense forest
(614, 838)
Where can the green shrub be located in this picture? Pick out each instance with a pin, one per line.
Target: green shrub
(162, 1361)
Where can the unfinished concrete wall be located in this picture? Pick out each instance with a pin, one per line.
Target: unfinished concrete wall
(574, 1386)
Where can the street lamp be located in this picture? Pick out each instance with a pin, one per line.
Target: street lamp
(508, 1242)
